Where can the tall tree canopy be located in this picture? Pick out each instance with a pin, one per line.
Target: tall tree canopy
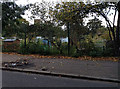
(64, 14)
(93, 25)
(70, 12)
(11, 12)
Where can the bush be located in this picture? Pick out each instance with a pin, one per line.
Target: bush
(93, 53)
(108, 52)
(89, 50)
(23, 49)
(37, 48)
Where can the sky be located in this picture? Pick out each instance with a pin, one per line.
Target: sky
(25, 2)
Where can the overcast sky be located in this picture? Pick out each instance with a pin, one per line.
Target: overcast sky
(25, 2)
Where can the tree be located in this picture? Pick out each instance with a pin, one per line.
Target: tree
(23, 30)
(52, 33)
(46, 27)
(93, 25)
(40, 11)
(102, 9)
(64, 15)
(11, 12)
(118, 31)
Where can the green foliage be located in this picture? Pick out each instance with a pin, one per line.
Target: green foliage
(87, 49)
(37, 48)
(93, 25)
(11, 12)
(97, 52)
(108, 52)
(50, 24)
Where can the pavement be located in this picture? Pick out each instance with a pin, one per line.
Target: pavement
(88, 69)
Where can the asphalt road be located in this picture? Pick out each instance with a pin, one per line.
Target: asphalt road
(18, 79)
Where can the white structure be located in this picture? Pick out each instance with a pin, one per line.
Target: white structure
(64, 39)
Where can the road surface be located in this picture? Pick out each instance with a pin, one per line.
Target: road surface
(18, 79)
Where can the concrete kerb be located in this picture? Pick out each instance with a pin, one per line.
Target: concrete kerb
(62, 74)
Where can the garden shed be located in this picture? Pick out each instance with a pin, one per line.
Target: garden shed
(11, 44)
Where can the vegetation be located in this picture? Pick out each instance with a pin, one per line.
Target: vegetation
(65, 19)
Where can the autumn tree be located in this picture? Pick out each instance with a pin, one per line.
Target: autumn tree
(46, 26)
(11, 12)
(93, 25)
(64, 14)
(103, 9)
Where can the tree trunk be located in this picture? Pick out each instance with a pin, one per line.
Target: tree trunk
(68, 28)
(48, 43)
(25, 40)
(109, 32)
(117, 42)
(108, 22)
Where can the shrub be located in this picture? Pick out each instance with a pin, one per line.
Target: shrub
(37, 48)
(23, 49)
(108, 52)
(89, 50)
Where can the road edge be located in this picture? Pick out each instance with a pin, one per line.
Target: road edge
(62, 74)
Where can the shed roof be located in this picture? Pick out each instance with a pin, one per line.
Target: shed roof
(9, 40)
